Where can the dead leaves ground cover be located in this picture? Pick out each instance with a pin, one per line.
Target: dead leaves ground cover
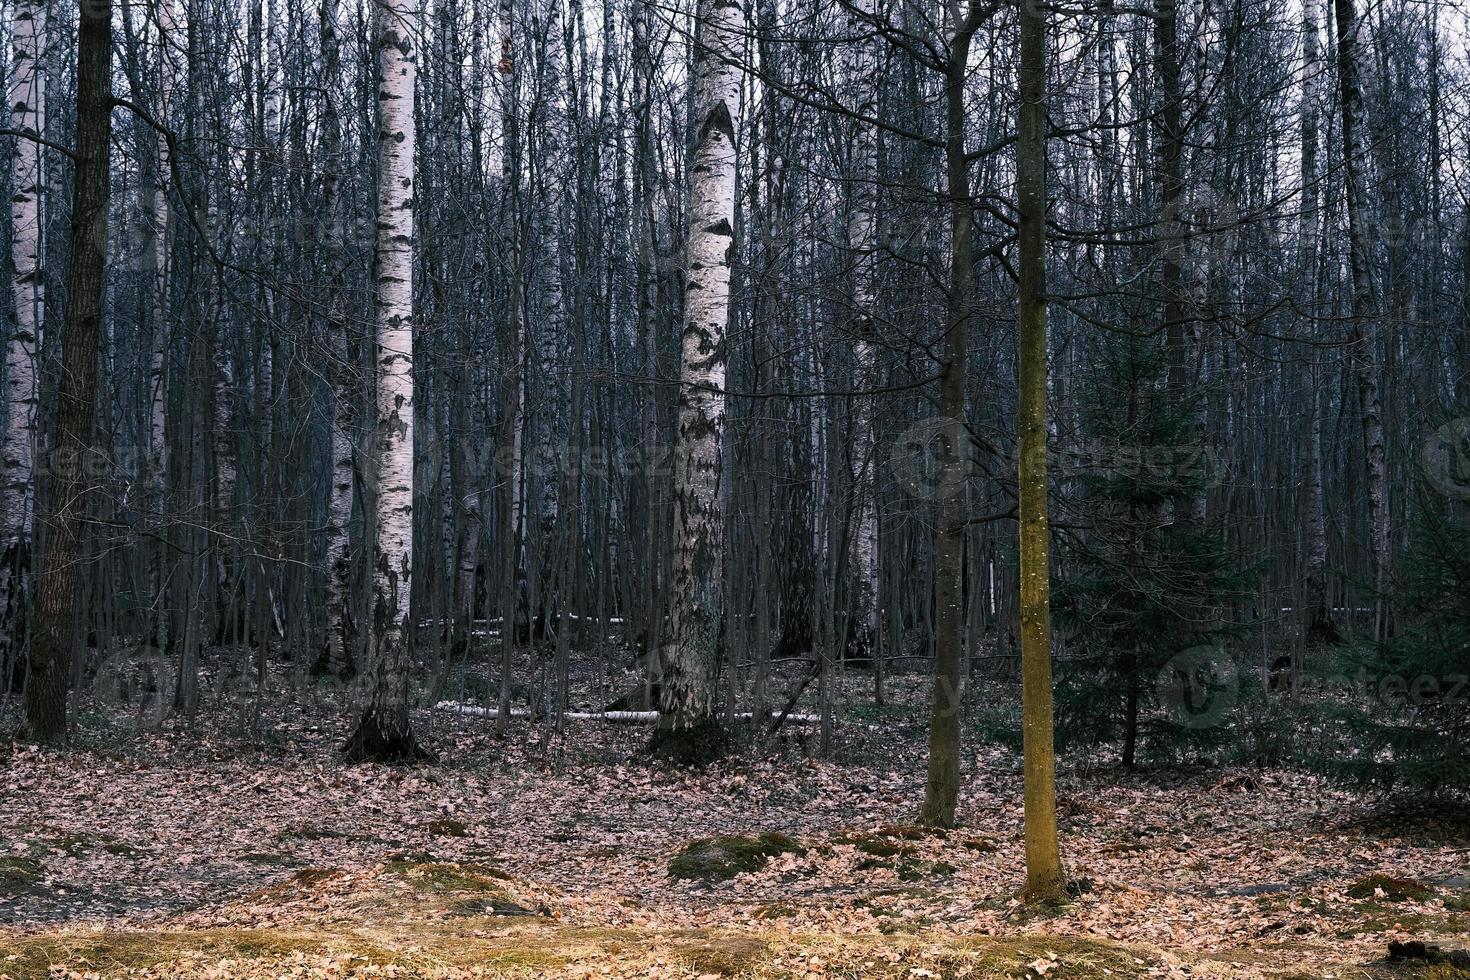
(561, 845)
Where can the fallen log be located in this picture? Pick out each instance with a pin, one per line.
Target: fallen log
(616, 717)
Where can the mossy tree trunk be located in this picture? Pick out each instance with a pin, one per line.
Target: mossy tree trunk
(1043, 861)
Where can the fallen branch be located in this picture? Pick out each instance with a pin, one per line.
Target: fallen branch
(617, 717)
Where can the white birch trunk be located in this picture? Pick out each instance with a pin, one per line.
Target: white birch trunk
(860, 76)
(28, 113)
(549, 129)
(1316, 606)
(384, 731)
(1363, 343)
(698, 522)
(162, 234)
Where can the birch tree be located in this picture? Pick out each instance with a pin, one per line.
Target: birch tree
(1362, 332)
(861, 75)
(687, 728)
(384, 731)
(17, 440)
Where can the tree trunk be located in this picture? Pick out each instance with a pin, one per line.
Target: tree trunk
(1362, 346)
(338, 655)
(384, 733)
(688, 729)
(1043, 863)
(861, 76)
(941, 789)
(66, 504)
(17, 439)
(1316, 617)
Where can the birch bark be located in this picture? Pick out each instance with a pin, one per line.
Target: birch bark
(1362, 347)
(384, 732)
(860, 71)
(687, 727)
(17, 441)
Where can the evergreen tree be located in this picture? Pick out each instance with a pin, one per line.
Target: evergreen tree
(1143, 583)
(1405, 723)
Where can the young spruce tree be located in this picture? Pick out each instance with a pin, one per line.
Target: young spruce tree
(1144, 581)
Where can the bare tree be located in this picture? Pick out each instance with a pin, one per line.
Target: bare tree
(384, 730)
(72, 457)
(687, 726)
(17, 440)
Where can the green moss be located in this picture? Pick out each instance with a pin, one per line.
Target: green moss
(447, 876)
(1393, 889)
(535, 947)
(775, 910)
(20, 870)
(876, 846)
(722, 858)
(270, 858)
(721, 953)
(447, 828)
(911, 870)
(111, 953)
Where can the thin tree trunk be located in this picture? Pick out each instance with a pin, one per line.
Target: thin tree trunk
(1043, 862)
(861, 74)
(1318, 608)
(337, 656)
(942, 787)
(1363, 346)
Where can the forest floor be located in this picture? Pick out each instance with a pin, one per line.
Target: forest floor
(208, 854)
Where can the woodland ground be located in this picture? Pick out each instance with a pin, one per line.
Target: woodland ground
(211, 854)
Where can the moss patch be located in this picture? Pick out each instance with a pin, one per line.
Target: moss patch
(446, 876)
(873, 846)
(533, 947)
(21, 876)
(20, 870)
(115, 953)
(270, 859)
(1391, 889)
(723, 954)
(722, 858)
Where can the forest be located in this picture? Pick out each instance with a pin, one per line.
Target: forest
(735, 488)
